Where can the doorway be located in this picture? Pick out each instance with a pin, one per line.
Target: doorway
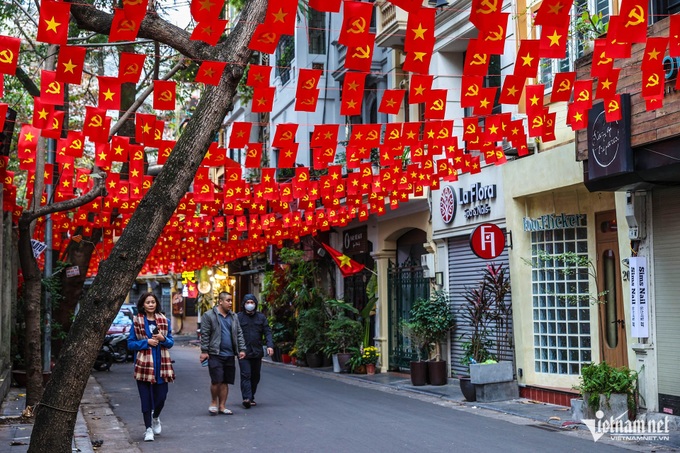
(612, 320)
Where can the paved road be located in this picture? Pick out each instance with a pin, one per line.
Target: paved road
(302, 412)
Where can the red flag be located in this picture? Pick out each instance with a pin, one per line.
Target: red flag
(240, 134)
(347, 265)
(53, 22)
(210, 72)
(562, 86)
(206, 9)
(263, 99)
(391, 101)
(476, 59)
(493, 33)
(633, 14)
(512, 89)
(209, 31)
(352, 93)
(130, 67)
(41, 114)
(109, 93)
(526, 64)
(612, 108)
(356, 21)
(258, 75)
(359, 56)
(70, 64)
(264, 39)
(9, 54)
(420, 30)
(326, 6)
(280, 16)
(285, 135)
(418, 88)
(122, 27)
(164, 94)
(469, 90)
(51, 91)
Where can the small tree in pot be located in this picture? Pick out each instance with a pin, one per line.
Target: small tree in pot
(431, 319)
(343, 332)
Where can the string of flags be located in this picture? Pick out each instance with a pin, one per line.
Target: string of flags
(220, 222)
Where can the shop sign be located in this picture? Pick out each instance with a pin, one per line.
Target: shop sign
(487, 241)
(639, 316)
(554, 222)
(354, 241)
(479, 195)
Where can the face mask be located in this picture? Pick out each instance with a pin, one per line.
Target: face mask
(250, 307)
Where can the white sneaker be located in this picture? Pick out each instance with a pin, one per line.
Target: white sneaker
(156, 425)
(148, 435)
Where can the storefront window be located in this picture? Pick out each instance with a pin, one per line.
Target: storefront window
(561, 300)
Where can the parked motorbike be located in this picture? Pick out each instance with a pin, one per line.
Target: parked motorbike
(114, 349)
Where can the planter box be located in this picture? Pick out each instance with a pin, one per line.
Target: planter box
(491, 373)
(616, 407)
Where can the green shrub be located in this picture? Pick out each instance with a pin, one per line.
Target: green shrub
(603, 379)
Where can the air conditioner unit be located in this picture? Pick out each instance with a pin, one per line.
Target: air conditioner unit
(427, 263)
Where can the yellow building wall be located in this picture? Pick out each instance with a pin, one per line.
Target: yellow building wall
(550, 182)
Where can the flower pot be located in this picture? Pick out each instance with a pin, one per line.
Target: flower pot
(370, 368)
(343, 357)
(327, 361)
(361, 369)
(293, 360)
(314, 359)
(468, 388)
(285, 358)
(436, 371)
(418, 373)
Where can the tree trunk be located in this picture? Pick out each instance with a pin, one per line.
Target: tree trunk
(56, 416)
(32, 297)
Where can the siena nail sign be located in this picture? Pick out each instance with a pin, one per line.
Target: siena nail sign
(638, 297)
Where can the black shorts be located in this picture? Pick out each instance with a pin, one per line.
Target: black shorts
(222, 369)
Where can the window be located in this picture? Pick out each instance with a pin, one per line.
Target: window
(317, 32)
(285, 52)
(560, 301)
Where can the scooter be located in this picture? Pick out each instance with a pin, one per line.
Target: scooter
(119, 349)
(104, 358)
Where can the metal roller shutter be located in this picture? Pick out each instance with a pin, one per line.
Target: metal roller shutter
(666, 243)
(465, 270)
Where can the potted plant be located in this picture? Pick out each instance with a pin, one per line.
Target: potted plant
(488, 312)
(589, 27)
(370, 358)
(310, 336)
(431, 320)
(418, 367)
(343, 332)
(355, 364)
(608, 389)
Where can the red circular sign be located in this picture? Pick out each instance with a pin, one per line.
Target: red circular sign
(487, 241)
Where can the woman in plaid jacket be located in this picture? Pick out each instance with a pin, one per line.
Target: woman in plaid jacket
(151, 338)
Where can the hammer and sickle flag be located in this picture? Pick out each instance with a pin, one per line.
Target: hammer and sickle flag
(652, 84)
(9, 54)
(326, 6)
(122, 27)
(284, 136)
(469, 91)
(435, 106)
(264, 39)
(359, 56)
(634, 14)
(612, 108)
(347, 265)
(492, 34)
(476, 59)
(356, 22)
(563, 86)
(130, 67)
(164, 94)
(51, 91)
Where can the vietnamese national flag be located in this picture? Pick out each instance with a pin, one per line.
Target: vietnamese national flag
(347, 265)
(53, 22)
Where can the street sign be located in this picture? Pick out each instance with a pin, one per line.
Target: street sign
(487, 241)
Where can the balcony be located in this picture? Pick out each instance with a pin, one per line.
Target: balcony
(391, 25)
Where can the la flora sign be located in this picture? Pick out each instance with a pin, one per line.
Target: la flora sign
(487, 241)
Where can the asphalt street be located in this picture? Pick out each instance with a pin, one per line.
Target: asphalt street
(304, 412)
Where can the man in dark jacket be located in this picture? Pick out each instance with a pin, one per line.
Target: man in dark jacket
(255, 328)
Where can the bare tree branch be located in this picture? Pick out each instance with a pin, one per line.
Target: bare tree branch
(27, 82)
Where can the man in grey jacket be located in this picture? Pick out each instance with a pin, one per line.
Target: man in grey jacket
(221, 339)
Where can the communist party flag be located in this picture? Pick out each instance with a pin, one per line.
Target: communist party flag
(347, 265)
(493, 33)
(634, 15)
(122, 27)
(326, 6)
(563, 85)
(70, 64)
(9, 54)
(356, 22)
(51, 90)
(130, 67)
(53, 22)
(264, 40)
(164, 94)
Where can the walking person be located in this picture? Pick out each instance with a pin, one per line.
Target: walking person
(150, 339)
(255, 328)
(221, 340)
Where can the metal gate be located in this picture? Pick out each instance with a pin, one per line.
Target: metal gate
(405, 284)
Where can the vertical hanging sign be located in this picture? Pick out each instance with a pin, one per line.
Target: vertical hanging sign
(639, 318)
